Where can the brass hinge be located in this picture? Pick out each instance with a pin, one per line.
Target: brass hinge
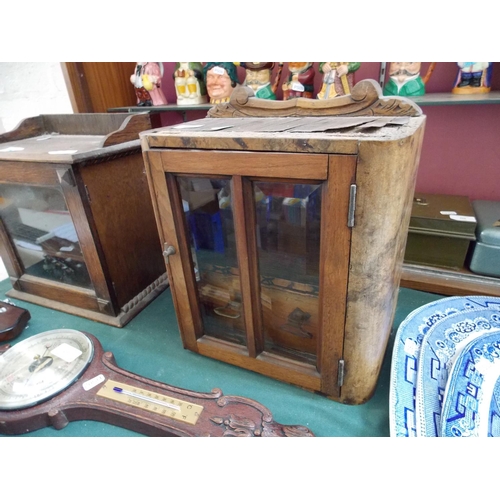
(352, 205)
(341, 373)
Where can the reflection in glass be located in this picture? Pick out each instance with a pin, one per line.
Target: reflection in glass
(40, 226)
(288, 241)
(209, 218)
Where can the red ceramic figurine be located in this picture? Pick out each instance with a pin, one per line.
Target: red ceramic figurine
(147, 84)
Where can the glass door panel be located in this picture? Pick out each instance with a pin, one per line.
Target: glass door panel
(288, 242)
(40, 226)
(209, 219)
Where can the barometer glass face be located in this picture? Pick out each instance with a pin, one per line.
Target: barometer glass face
(42, 366)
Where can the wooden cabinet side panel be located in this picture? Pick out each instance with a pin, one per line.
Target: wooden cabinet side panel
(123, 215)
(385, 179)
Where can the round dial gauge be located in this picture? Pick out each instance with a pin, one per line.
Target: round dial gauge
(42, 366)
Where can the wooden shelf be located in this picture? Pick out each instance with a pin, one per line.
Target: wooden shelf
(449, 99)
(432, 99)
(448, 281)
(160, 109)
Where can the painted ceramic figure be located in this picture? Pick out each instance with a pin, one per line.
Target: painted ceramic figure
(404, 79)
(147, 84)
(258, 78)
(300, 81)
(220, 79)
(189, 84)
(338, 78)
(473, 78)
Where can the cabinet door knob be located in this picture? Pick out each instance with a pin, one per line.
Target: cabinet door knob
(168, 250)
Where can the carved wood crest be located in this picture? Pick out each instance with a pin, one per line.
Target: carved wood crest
(366, 99)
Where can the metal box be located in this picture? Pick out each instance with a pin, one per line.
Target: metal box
(485, 258)
(441, 230)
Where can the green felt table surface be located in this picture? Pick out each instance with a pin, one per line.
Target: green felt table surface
(150, 345)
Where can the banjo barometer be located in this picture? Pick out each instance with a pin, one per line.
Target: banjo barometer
(59, 376)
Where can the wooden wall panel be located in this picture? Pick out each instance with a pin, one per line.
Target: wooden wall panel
(94, 87)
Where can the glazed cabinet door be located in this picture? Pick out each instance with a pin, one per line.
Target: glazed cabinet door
(257, 248)
(46, 241)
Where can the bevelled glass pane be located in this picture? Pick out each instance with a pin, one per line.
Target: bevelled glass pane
(288, 240)
(208, 211)
(42, 230)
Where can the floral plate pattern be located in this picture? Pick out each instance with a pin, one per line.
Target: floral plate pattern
(440, 348)
(471, 400)
(406, 353)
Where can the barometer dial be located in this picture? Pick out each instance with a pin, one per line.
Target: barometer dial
(42, 366)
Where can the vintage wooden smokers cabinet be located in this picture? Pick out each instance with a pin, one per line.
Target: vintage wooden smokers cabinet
(77, 227)
(284, 226)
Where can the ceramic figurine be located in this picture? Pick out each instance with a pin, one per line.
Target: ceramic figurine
(473, 78)
(300, 81)
(147, 83)
(189, 84)
(338, 78)
(404, 79)
(258, 78)
(220, 80)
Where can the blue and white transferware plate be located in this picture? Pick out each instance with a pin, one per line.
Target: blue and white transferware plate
(405, 356)
(440, 347)
(471, 399)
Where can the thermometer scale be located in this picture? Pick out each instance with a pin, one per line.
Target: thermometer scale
(59, 376)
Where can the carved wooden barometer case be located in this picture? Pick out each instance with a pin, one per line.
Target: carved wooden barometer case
(58, 376)
(284, 226)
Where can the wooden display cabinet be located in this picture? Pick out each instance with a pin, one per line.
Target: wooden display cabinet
(284, 227)
(77, 227)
